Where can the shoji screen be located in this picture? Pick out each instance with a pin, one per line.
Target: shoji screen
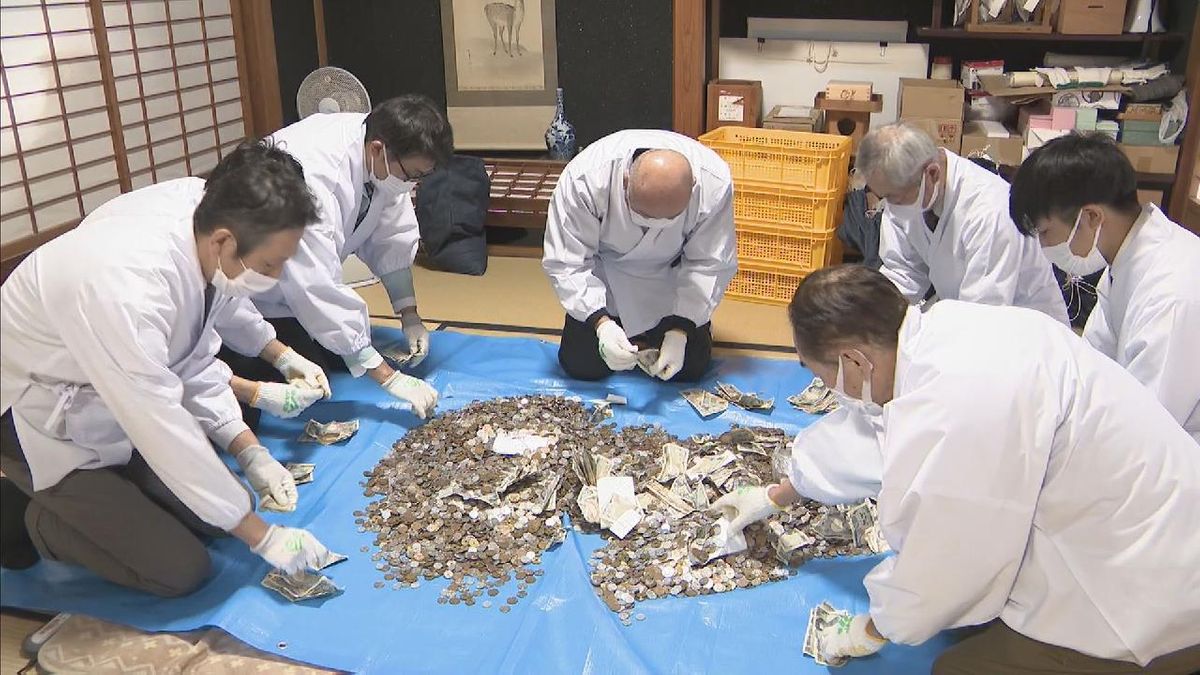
(101, 96)
(57, 161)
(175, 69)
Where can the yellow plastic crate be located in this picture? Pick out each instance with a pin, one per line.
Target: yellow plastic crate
(765, 284)
(795, 158)
(809, 211)
(781, 246)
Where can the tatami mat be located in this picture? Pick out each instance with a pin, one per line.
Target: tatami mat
(515, 294)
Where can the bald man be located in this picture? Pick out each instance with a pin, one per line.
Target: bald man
(640, 247)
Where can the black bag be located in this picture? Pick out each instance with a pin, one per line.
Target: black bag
(452, 203)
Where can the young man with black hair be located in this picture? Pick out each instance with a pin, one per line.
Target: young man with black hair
(112, 394)
(1028, 484)
(362, 170)
(1078, 195)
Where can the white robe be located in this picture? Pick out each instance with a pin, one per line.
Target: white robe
(1028, 477)
(107, 349)
(598, 259)
(330, 148)
(975, 254)
(1147, 316)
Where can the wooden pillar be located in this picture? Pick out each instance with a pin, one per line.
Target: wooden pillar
(1184, 208)
(322, 45)
(689, 39)
(258, 70)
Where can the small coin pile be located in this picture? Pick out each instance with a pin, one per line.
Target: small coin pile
(449, 505)
(328, 433)
(816, 399)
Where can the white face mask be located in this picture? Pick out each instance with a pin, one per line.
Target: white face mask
(867, 404)
(390, 184)
(244, 285)
(915, 210)
(1060, 255)
(656, 223)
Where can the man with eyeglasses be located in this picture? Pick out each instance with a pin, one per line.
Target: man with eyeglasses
(946, 231)
(362, 170)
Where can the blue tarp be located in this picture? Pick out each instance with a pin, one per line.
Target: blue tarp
(561, 627)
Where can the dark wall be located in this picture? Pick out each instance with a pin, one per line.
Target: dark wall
(295, 49)
(614, 56)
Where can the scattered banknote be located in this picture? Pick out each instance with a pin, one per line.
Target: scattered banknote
(329, 558)
(301, 472)
(861, 518)
(703, 466)
(678, 505)
(266, 502)
(301, 586)
(706, 403)
(744, 400)
(646, 360)
(833, 528)
(397, 356)
(673, 462)
(816, 399)
(823, 617)
(328, 433)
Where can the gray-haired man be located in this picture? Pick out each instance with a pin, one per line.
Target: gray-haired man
(946, 229)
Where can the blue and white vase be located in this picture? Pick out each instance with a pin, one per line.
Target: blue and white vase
(560, 137)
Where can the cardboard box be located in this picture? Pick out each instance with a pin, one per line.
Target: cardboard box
(1131, 137)
(985, 137)
(1091, 17)
(1140, 125)
(1146, 112)
(971, 70)
(734, 103)
(1039, 109)
(1152, 159)
(930, 99)
(1085, 119)
(1150, 197)
(1062, 118)
(946, 131)
(1036, 138)
(793, 118)
(838, 90)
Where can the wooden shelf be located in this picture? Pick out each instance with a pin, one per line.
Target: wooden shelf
(962, 34)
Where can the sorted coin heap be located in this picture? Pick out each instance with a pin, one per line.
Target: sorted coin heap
(448, 505)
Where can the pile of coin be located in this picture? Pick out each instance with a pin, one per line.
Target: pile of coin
(447, 505)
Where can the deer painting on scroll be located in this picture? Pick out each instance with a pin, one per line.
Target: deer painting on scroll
(498, 45)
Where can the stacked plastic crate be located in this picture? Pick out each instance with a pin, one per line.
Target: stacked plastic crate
(788, 191)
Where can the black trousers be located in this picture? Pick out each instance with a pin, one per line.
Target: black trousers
(288, 331)
(579, 351)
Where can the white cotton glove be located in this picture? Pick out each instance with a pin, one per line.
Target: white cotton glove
(670, 355)
(847, 638)
(615, 348)
(745, 505)
(296, 367)
(423, 397)
(291, 550)
(418, 338)
(285, 400)
(266, 475)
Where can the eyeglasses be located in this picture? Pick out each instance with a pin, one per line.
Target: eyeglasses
(409, 175)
